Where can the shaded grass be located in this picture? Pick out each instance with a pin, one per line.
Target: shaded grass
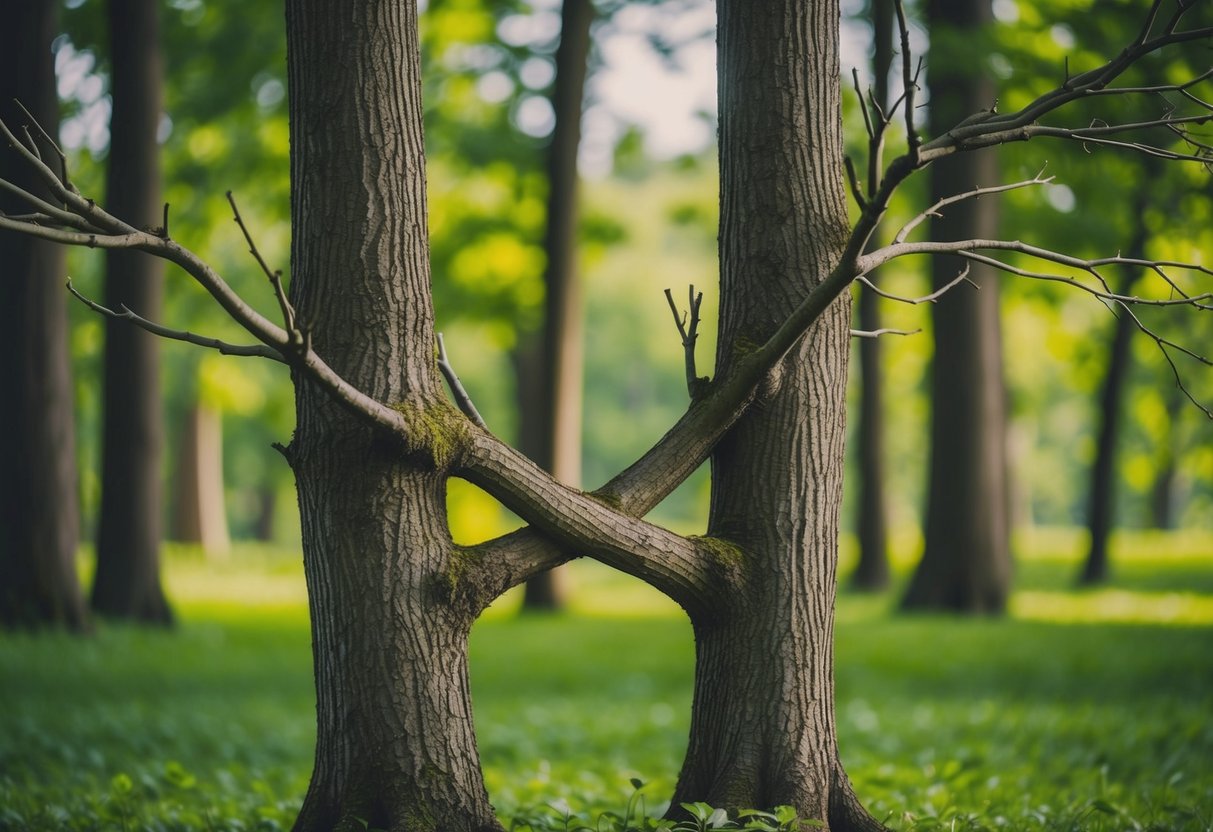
(1070, 718)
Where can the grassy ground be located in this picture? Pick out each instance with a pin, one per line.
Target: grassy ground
(1081, 711)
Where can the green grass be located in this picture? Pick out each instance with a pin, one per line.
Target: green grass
(1084, 710)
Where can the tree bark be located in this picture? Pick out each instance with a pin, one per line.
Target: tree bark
(562, 362)
(763, 725)
(127, 581)
(200, 514)
(871, 519)
(39, 509)
(966, 563)
(395, 747)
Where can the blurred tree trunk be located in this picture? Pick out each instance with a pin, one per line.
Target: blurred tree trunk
(558, 409)
(1164, 494)
(966, 563)
(39, 507)
(200, 514)
(127, 582)
(1102, 489)
(871, 519)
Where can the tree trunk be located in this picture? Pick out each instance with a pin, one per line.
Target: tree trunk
(395, 747)
(1164, 494)
(39, 509)
(763, 726)
(562, 363)
(200, 515)
(127, 581)
(966, 564)
(871, 520)
(1102, 493)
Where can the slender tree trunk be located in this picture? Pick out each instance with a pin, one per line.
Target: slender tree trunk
(871, 520)
(39, 510)
(1164, 495)
(562, 362)
(200, 515)
(1102, 491)
(966, 565)
(395, 747)
(763, 725)
(127, 582)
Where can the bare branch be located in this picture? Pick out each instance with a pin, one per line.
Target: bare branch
(458, 391)
(67, 183)
(297, 337)
(877, 333)
(909, 80)
(258, 350)
(53, 213)
(933, 211)
(963, 277)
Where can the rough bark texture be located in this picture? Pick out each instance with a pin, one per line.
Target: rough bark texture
(966, 564)
(127, 581)
(763, 729)
(562, 362)
(39, 513)
(395, 746)
(871, 519)
(200, 515)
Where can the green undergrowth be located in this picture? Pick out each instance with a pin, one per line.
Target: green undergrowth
(1088, 712)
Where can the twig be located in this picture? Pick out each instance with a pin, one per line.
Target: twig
(258, 350)
(298, 338)
(933, 211)
(876, 333)
(909, 81)
(853, 181)
(963, 277)
(67, 183)
(690, 334)
(462, 400)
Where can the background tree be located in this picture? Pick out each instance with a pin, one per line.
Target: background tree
(966, 562)
(871, 516)
(556, 412)
(39, 509)
(127, 580)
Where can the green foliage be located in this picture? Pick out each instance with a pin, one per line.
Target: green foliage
(1085, 718)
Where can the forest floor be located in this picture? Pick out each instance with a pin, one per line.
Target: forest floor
(1081, 710)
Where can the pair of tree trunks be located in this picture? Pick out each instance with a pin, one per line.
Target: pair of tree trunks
(39, 497)
(395, 743)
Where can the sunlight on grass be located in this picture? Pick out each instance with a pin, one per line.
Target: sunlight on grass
(1114, 606)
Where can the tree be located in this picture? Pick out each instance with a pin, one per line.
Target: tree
(966, 561)
(871, 517)
(392, 599)
(127, 581)
(39, 509)
(557, 410)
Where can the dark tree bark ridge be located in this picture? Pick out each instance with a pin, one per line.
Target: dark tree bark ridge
(966, 563)
(39, 510)
(127, 581)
